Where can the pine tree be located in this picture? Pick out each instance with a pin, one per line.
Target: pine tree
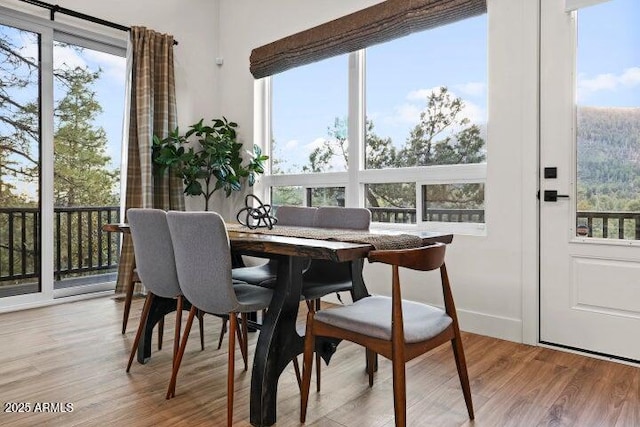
(82, 176)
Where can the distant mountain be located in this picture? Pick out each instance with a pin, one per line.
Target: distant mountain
(608, 157)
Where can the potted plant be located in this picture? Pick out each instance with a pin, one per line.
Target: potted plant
(215, 161)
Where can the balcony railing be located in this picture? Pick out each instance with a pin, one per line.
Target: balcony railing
(80, 246)
(408, 215)
(608, 225)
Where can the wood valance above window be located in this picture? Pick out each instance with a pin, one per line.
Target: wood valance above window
(376, 24)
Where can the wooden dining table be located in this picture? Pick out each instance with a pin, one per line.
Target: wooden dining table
(278, 341)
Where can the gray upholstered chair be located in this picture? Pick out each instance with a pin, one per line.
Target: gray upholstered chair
(155, 266)
(325, 277)
(265, 274)
(397, 329)
(203, 262)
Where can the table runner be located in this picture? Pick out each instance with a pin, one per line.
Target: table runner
(378, 241)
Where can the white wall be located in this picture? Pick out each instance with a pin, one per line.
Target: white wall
(489, 274)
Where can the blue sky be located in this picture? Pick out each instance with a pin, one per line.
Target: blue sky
(608, 54)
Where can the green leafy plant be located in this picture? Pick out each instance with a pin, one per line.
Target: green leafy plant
(215, 161)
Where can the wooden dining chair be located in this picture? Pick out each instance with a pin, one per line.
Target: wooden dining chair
(203, 262)
(408, 330)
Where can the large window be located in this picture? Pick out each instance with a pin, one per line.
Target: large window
(387, 128)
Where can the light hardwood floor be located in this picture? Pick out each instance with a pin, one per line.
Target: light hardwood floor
(74, 353)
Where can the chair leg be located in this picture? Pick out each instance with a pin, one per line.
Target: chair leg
(371, 356)
(171, 391)
(223, 330)
(176, 337)
(309, 343)
(318, 358)
(296, 368)
(461, 364)
(244, 345)
(128, 296)
(160, 333)
(233, 326)
(399, 391)
(143, 318)
(201, 323)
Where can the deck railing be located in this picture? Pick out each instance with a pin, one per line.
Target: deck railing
(408, 215)
(608, 225)
(80, 246)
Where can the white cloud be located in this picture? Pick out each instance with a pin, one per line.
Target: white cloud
(290, 145)
(421, 94)
(409, 112)
(631, 77)
(316, 143)
(403, 114)
(113, 66)
(336, 163)
(608, 82)
(67, 57)
(471, 88)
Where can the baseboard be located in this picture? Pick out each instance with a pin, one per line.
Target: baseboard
(54, 301)
(494, 326)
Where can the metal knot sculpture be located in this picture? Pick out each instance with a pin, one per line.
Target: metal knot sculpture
(253, 216)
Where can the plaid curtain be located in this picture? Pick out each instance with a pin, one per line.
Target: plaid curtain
(152, 111)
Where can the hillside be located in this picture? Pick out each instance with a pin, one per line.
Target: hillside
(608, 158)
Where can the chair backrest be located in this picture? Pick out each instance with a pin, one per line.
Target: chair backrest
(299, 216)
(344, 218)
(425, 258)
(153, 250)
(203, 260)
(329, 272)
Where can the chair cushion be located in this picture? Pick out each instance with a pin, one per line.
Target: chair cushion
(252, 298)
(371, 316)
(260, 275)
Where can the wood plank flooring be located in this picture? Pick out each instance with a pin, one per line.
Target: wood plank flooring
(74, 353)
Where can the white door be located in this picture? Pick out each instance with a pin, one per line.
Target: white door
(590, 132)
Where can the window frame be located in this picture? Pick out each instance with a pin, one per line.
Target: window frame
(356, 176)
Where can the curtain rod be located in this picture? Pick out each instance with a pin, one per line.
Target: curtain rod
(54, 8)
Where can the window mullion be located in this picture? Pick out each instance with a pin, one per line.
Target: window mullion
(355, 191)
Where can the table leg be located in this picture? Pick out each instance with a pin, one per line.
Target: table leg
(159, 308)
(359, 288)
(278, 342)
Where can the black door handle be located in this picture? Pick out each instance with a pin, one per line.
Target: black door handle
(552, 196)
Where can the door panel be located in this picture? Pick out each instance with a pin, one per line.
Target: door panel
(589, 255)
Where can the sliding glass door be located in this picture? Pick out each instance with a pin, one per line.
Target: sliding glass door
(62, 95)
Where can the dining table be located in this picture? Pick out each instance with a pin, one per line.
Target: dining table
(278, 341)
